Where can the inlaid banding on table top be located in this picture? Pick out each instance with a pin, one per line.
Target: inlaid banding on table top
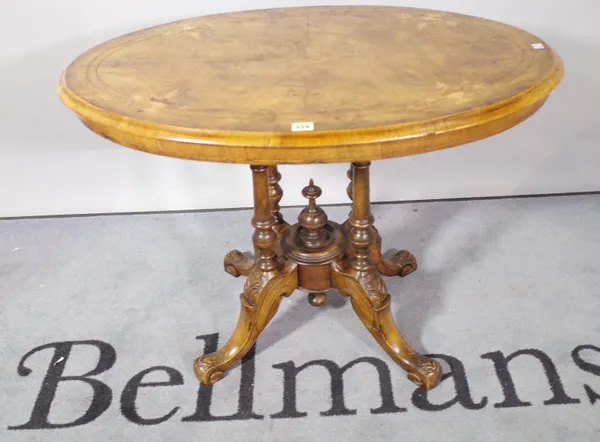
(361, 74)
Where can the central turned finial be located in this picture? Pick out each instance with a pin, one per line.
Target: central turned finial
(313, 220)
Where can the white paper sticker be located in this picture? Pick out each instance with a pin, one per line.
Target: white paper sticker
(306, 126)
(537, 46)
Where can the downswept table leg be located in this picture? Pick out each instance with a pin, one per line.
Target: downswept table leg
(368, 292)
(259, 303)
(371, 302)
(238, 263)
(269, 280)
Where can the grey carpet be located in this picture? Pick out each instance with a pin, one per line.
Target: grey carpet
(496, 277)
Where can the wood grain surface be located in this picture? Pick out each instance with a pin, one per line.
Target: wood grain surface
(377, 82)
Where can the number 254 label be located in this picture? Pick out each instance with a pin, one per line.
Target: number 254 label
(303, 126)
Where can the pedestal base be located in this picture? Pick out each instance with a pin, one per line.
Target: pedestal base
(316, 256)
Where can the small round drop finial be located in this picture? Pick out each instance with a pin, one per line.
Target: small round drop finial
(317, 299)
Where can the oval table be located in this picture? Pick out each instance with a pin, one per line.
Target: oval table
(312, 85)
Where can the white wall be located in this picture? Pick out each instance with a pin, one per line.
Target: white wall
(51, 164)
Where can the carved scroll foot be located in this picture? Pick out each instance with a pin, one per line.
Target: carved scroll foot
(237, 263)
(371, 302)
(401, 264)
(259, 303)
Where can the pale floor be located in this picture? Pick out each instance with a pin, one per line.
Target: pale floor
(495, 277)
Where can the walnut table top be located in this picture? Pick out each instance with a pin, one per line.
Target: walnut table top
(372, 82)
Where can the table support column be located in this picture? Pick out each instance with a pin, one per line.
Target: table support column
(264, 238)
(361, 219)
(237, 263)
(398, 263)
(275, 195)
